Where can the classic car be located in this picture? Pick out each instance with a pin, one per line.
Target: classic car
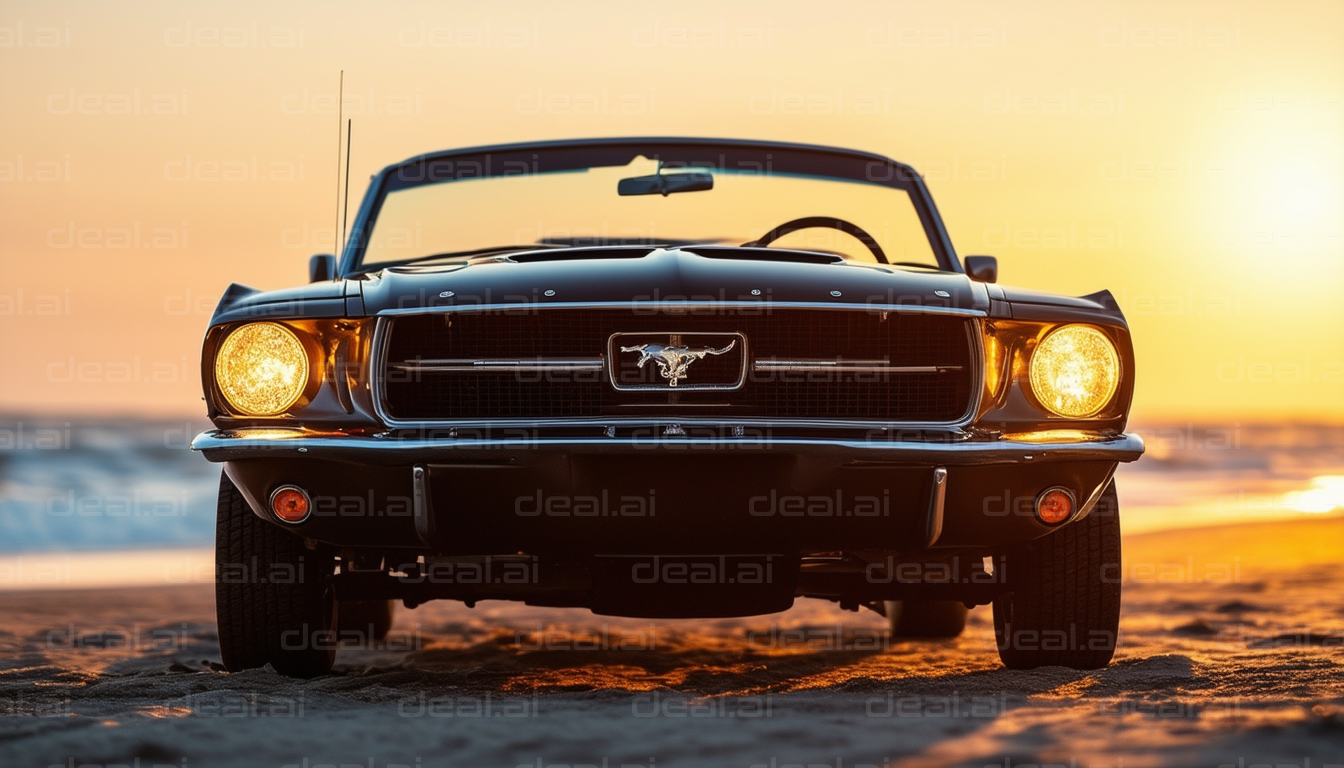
(664, 378)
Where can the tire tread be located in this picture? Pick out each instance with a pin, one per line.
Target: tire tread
(1061, 587)
(253, 612)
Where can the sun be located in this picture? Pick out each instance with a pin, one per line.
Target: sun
(1326, 494)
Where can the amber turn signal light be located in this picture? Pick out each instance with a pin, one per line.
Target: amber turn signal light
(1054, 506)
(290, 503)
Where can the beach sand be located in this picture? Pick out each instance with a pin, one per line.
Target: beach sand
(1232, 654)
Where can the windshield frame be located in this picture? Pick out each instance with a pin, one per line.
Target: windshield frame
(723, 154)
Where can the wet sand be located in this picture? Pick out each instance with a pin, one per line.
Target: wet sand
(1232, 653)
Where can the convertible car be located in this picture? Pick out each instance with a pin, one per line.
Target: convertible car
(663, 378)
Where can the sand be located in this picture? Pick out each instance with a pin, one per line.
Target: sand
(1232, 654)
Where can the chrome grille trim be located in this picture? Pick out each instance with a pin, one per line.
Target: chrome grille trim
(658, 307)
(503, 365)
(974, 332)
(762, 365)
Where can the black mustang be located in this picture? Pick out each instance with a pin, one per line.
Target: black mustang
(664, 378)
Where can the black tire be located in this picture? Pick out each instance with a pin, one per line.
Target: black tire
(371, 618)
(926, 619)
(1064, 609)
(273, 595)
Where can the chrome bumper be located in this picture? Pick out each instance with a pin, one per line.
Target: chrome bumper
(966, 493)
(273, 442)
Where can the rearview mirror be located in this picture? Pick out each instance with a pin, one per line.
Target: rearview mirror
(664, 184)
(321, 267)
(984, 269)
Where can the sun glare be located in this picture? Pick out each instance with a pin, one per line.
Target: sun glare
(1326, 494)
(1302, 191)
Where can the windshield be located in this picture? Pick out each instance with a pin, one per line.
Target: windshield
(454, 218)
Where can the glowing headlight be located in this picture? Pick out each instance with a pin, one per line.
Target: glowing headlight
(1075, 371)
(262, 369)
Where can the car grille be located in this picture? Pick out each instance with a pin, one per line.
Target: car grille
(937, 386)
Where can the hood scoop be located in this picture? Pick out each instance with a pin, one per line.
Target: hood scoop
(577, 254)
(431, 269)
(732, 253)
(738, 253)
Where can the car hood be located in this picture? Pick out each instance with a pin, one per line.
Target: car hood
(658, 276)
(654, 277)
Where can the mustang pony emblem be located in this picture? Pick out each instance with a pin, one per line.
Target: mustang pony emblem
(673, 361)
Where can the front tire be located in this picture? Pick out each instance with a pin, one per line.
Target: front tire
(1064, 609)
(273, 595)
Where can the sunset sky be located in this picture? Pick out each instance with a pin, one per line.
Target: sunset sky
(1189, 158)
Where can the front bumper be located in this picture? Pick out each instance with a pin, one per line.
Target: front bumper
(673, 494)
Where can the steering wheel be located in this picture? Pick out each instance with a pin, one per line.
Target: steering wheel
(827, 222)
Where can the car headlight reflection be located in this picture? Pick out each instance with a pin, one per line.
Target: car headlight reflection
(261, 369)
(1075, 371)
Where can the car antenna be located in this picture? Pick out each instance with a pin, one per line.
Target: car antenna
(345, 216)
(336, 225)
